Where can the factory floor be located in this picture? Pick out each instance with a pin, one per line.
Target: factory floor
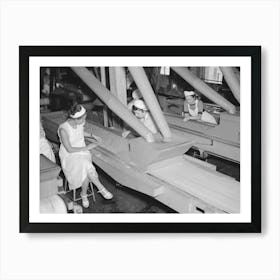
(129, 201)
(125, 200)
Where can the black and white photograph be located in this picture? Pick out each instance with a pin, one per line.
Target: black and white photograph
(169, 134)
(127, 140)
(139, 140)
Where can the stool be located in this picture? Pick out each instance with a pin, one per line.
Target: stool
(67, 190)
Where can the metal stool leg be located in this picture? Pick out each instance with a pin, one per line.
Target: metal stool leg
(92, 191)
(67, 189)
(65, 185)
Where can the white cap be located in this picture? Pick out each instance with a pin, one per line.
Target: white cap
(136, 94)
(140, 104)
(79, 114)
(189, 93)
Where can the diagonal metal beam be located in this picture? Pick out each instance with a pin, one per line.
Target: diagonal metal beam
(232, 81)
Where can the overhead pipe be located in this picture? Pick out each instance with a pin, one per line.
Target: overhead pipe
(113, 103)
(148, 94)
(202, 87)
(232, 81)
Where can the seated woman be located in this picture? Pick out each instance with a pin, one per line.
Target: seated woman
(141, 112)
(76, 161)
(193, 109)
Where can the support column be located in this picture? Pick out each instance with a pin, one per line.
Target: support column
(105, 111)
(118, 88)
(232, 81)
(118, 83)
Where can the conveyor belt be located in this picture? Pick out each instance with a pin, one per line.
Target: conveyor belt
(210, 186)
(161, 170)
(198, 133)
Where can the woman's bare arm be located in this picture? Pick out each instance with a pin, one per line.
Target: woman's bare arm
(91, 135)
(65, 141)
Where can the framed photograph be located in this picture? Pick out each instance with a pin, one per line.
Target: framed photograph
(140, 139)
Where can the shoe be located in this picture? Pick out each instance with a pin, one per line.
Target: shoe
(105, 193)
(77, 209)
(85, 201)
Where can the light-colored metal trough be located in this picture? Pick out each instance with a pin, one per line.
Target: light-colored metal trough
(159, 169)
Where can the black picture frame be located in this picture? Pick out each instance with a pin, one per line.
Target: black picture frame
(254, 52)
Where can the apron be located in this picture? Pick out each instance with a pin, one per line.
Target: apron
(45, 147)
(206, 117)
(193, 112)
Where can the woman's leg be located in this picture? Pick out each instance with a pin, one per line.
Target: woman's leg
(85, 187)
(84, 197)
(92, 174)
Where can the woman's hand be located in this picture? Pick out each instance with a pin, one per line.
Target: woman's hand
(97, 138)
(187, 118)
(125, 133)
(90, 135)
(198, 117)
(91, 146)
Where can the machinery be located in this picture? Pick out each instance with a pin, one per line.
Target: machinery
(223, 139)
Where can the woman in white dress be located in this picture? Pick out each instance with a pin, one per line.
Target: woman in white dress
(75, 156)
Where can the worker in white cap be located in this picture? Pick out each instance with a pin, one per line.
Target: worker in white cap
(136, 95)
(141, 112)
(193, 109)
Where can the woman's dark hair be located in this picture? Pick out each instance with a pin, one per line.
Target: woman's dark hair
(74, 109)
(134, 108)
(73, 105)
(196, 96)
